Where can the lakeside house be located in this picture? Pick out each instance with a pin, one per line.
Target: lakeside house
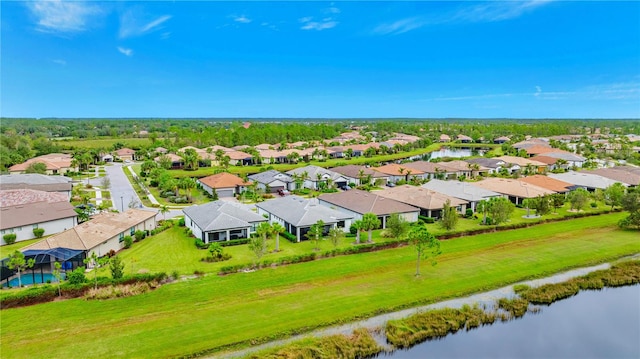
(221, 221)
(429, 202)
(297, 215)
(398, 172)
(462, 190)
(356, 203)
(356, 174)
(515, 190)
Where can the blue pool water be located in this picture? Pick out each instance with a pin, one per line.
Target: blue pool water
(27, 279)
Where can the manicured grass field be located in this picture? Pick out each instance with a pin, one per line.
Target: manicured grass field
(5, 250)
(103, 143)
(215, 312)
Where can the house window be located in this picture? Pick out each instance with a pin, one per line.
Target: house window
(35, 226)
(121, 239)
(132, 230)
(19, 229)
(2, 232)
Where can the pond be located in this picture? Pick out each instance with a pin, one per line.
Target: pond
(457, 152)
(593, 324)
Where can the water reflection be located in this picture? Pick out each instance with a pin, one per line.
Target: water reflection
(457, 152)
(593, 324)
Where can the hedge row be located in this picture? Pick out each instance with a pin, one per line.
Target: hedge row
(48, 292)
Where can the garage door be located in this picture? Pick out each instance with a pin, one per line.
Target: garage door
(225, 192)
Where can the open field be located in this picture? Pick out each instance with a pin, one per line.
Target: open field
(102, 143)
(215, 312)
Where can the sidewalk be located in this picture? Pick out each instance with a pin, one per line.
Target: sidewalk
(144, 188)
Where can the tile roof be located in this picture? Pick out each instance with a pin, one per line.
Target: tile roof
(513, 188)
(624, 174)
(427, 167)
(353, 171)
(486, 162)
(301, 212)
(394, 169)
(548, 183)
(220, 215)
(462, 190)
(94, 232)
(223, 180)
(364, 202)
(419, 197)
(53, 161)
(585, 179)
(313, 171)
(545, 159)
(16, 197)
(125, 152)
(36, 182)
(35, 212)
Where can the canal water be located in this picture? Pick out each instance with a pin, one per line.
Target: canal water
(592, 324)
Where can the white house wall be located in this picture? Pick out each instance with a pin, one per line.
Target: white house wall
(51, 227)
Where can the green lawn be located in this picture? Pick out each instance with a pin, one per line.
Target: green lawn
(174, 250)
(219, 311)
(5, 250)
(103, 143)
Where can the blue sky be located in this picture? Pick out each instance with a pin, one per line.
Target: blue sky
(427, 59)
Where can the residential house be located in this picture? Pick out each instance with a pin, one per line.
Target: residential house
(125, 154)
(60, 184)
(500, 140)
(356, 203)
(586, 180)
(530, 142)
(568, 158)
(516, 190)
(221, 221)
(23, 210)
(224, 184)
(444, 138)
(429, 202)
(273, 180)
(315, 177)
(177, 162)
(460, 168)
(491, 164)
(56, 164)
(356, 174)
(398, 172)
(464, 139)
(521, 164)
(625, 174)
(430, 170)
(548, 183)
(462, 190)
(100, 235)
(297, 215)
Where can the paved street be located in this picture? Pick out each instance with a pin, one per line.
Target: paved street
(122, 193)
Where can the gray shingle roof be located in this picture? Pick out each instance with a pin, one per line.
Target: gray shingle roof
(486, 162)
(35, 181)
(584, 179)
(313, 171)
(364, 202)
(462, 190)
(270, 176)
(219, 215)
(301, 212)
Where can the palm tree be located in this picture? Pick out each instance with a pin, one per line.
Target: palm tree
(358, 226)
(264, 229)
(163, 210)
(370, 222)
(277, 228)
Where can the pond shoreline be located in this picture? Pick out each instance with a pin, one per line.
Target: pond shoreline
(376, 324)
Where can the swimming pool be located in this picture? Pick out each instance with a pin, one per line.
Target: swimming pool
(28, 279)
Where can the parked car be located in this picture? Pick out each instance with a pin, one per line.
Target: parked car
(283, 192)
(390, 184)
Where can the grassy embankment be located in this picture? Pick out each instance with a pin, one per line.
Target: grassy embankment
(214, 312)
(173, 250)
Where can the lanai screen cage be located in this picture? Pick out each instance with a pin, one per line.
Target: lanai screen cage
(44, 259)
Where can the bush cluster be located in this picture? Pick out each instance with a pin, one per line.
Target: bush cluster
(10, 238)
(426, 219)
(290, 237)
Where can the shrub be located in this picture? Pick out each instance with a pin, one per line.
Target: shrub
(200, 244)
(468, 213)
(235, 242)
(139, 235)
(128, 241)
(38, 232)
(118, 291)
(426, 219)
(116, 267)
(353, 230)
(77, 276)
(10, 238)
(290, 237)
(181, 222)
(593, 205)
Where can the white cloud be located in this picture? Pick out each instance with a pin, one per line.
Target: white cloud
(59, 62)
(131, 26)
(326, 23)
(484, 12)
(538, 91)
(399, 27)
(125, 51)
(497, 10)
(333, 10)
(62, 16)
(241, 19)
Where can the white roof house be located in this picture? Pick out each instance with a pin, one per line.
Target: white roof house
(588, 181)
(462, 190)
